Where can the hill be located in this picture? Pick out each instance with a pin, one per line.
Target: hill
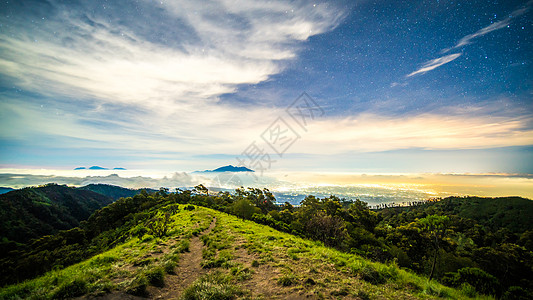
(228, 168)
(32, 212)
(325, 248)
(4, 190)
(512, 213)
(113, 191)
(207, 254)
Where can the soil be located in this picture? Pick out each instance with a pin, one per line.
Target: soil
(188, 270)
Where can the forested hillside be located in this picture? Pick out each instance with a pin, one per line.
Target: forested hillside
(170, 250)
(113, 191)
(482, 247)
(30, 213)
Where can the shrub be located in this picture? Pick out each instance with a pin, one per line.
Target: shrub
(241, 273)
(138, 286)
(71, 289)
(183, 246)
(287, 279)
(482, 281)
(516, 293)
(156, 276)
(169, 266)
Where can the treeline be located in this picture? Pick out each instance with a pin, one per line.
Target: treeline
(448, 240)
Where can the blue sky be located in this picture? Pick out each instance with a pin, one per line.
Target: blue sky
(403, 86)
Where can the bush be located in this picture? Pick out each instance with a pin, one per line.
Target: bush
(183, 246)
(156, 276)
(169, 266)
(370, 274)
(138, 286)
(516, 293)
(287, 280)
(482, 281)
(71, 289)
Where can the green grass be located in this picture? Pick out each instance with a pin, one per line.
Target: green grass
(129, 267)
(212, 286)
(299, 265)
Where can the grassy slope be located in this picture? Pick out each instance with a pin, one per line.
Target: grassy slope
(241, 259)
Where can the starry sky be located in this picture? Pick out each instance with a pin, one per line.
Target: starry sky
(391, 86)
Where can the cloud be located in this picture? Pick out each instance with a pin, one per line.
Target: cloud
(147, 75)
(490, 28)
(435, 63)
(86, 51)
(450, 128)
(466, 40)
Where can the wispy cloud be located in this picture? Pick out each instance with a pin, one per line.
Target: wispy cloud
(147, 75)
(490, 28)
(435, 63)
(89, 51)
(466, 40)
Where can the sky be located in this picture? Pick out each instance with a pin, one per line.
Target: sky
(336, 86)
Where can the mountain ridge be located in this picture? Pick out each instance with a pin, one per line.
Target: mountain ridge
(228, 168)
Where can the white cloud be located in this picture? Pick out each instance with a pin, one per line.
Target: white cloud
(466, 40)
(490, 28)
(370, 132)
(435, 63)
(224, 44)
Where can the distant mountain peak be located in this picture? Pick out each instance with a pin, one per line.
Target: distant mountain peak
(229, 168)
(97, 168)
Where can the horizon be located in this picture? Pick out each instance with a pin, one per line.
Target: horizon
(304, 93)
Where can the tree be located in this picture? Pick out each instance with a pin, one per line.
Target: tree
(201, 189)
(244, 209)
(159, 224)
(435, 226)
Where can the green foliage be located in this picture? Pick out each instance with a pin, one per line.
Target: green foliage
(138, 286)
(113, 191)
(412, 237)
(71, 289)
(516, 293)
(170, 266)
(245, 209)
(155, 276)
(287, 279)
(480, 280)
(159, 224)
(182, 246)
(33, 212)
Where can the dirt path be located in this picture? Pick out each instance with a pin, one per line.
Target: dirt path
(188, 270)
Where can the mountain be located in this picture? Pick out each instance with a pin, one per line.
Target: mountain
(228, 168)
(32, 212)
(175, 245)
(113, 191)
(4, 190)
(207, 254)
(97, 168)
